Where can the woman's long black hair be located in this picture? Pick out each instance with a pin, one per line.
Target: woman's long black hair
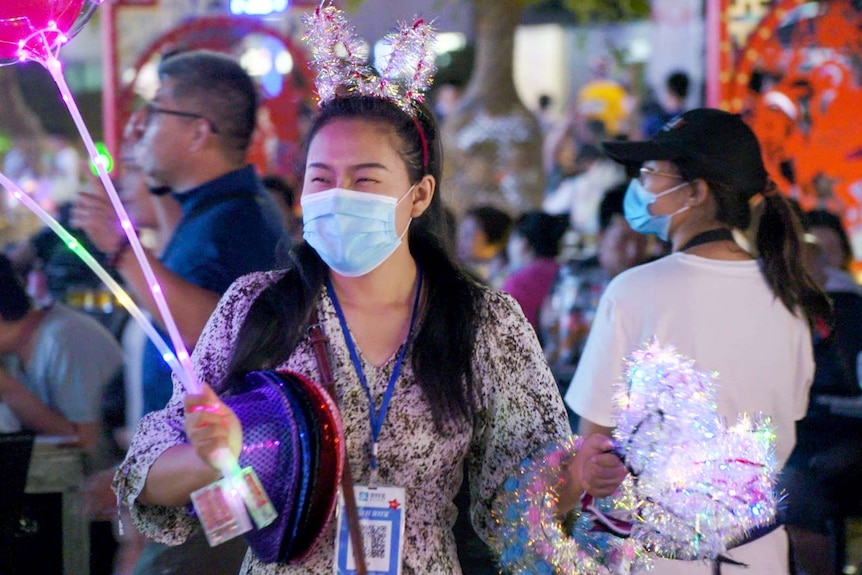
(778, 243)
(443, 348)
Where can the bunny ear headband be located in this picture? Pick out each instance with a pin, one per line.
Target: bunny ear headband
(340, 60)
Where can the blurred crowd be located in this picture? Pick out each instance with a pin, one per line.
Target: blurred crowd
(555, 261)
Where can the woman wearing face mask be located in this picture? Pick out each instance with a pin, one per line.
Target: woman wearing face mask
(744, 316)
(435, 376)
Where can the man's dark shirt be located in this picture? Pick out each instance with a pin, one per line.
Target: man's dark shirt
(229, 227)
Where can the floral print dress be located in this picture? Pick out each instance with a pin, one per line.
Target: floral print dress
(520, 411)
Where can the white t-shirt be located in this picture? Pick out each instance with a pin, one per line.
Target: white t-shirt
(73, 359)
(724, 316)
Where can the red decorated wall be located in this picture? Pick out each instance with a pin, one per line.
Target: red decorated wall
(794, 70)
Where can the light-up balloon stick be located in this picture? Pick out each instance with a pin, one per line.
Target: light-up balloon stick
(122, 296)
(40, 29)
(35, 30)
(228, 464)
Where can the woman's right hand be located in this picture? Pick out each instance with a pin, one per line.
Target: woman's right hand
(598, 467)
(595, 469)
(211, 425)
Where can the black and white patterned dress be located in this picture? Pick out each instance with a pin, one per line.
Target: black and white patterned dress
(521, 411)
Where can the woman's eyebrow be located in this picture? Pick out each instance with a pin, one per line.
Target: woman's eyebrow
(362, 166)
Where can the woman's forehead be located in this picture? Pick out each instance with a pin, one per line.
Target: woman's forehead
(353, 134)
(350, 144)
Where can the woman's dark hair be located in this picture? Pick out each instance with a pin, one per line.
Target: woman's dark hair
(778, 243)
(612, 205)
(279, 186)
(543, 232)
(826, 219)
(443, 347)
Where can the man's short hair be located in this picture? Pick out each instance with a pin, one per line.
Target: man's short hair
(226, 94)
(677, 83)
(14, 302)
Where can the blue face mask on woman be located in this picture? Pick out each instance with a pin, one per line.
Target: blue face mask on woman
(353, 232)
(636, 205)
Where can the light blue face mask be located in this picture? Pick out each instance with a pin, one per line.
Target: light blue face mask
(353, 232)
(636, 205)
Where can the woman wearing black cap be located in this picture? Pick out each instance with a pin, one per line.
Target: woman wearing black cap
(746, 317)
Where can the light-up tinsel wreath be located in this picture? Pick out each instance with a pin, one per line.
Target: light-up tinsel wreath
(696, 487)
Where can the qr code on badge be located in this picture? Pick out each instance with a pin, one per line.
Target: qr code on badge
(376, 537)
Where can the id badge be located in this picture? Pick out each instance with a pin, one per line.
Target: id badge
(221, 511)
(382, 510)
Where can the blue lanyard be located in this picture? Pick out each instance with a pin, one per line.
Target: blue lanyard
(378, 417)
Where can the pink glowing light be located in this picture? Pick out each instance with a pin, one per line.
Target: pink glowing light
(35, 29)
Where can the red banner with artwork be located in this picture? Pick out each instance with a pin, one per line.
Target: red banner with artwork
(794, 70)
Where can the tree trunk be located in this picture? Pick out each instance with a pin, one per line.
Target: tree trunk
(492, 143)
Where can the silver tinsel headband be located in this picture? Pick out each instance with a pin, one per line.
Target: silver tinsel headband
(340, 60)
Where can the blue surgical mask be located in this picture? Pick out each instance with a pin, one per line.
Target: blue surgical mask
(636, 205)
(353, 232)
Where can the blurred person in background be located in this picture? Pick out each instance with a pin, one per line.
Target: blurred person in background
(657, 113)
(822, 478)
(481, 243)
(579, 195)
(835, 246)
(194, 145)
(569, 309)
(54, 365)
(52, 271)
(561, 147)
(545, 113)
(533, 246)
(603, 98)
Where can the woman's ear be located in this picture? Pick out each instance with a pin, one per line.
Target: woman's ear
(699, 193)
(423, 191)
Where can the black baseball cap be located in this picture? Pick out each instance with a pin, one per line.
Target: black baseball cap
(706, 143)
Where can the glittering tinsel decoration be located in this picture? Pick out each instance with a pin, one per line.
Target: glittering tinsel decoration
(340, 59)
(530, 537)
(698, 486)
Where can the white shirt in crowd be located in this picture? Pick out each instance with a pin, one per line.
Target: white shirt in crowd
(724, 315)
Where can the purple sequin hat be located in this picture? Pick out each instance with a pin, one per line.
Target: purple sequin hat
(294, 440)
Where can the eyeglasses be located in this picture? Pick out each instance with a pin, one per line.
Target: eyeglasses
(149, 109)
(645, 171)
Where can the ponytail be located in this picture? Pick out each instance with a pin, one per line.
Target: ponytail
(779, 245)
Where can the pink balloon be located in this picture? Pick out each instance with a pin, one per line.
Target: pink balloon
(34, 29)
